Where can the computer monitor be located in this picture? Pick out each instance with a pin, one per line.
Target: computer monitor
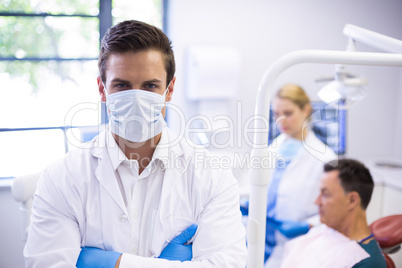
(327, 122)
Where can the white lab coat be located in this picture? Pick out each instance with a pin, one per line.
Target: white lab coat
(78, 203)
(298, 187)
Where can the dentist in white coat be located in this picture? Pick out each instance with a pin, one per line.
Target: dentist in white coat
(295, 181)
(135, 187)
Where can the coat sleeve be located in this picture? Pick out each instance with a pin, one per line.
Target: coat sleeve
(54, 236)
(220, 240)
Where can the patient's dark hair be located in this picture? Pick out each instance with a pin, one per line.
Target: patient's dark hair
(135, 36)
(354, 176)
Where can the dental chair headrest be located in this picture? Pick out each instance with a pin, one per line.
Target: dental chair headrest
(388, 231)
(24, 187)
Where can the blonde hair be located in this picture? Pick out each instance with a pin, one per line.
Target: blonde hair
(294, 93)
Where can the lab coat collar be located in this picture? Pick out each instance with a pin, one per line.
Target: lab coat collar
(114, 151)
(98, 145)
(167, 151)
(317, 149)
(168, 139)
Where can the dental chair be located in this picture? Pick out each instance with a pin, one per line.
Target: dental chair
(23, 190)
(388, 232)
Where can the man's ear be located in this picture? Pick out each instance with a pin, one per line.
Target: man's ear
(101, 89)
(354, 199)
(170, 89)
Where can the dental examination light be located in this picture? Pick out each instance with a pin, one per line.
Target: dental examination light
(259, 176)
(346, 90)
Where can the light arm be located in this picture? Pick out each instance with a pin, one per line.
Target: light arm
(373, 39)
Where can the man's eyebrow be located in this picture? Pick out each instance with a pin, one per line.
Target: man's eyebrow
(120, 80)
(152, 81)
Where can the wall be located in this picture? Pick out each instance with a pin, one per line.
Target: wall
(398, 132)
(263, 31)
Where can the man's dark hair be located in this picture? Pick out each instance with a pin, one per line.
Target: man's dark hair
(135, 36)
(354, 176)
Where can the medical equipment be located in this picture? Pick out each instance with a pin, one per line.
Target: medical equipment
(23, 189)
(388, 233)
(348, 89)
(345, 91)
(259, 177)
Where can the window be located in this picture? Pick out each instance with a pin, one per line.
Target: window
(48, 69)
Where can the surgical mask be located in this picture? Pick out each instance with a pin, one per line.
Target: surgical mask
(135, 114)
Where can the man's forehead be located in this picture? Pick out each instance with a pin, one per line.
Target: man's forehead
(330, 179)
(144, 65)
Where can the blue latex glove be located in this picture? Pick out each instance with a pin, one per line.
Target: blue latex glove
(97, 258)
(176, 250)
(289, 229)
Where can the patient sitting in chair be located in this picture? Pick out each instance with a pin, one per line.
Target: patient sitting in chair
(344, 239)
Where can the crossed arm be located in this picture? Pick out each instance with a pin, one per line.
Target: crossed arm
(176, 250)
(220, 240)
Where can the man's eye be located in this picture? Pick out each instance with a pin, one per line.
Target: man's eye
(121, 85)
(325, 194)
(151, 86)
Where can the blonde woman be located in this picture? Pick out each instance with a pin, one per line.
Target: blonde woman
(300, 157)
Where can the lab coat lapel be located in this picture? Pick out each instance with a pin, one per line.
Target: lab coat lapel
(105, 174)
(170, 179)
(168, 202)
(163, 225)
(173, 173)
